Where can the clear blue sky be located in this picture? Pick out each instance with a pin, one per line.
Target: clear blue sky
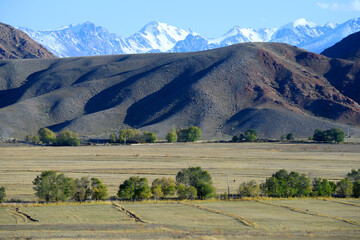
(209, 18)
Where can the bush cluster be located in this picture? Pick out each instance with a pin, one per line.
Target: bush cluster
(190, 183)
(190, 134)
(249, 136)
(283, 184)
(127, 136)
(51, 186)
(48, 137)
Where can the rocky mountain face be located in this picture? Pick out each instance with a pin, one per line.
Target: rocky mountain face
(88, 40)
(15, 44)
(274, 88)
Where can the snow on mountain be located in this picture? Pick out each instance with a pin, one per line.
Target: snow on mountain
(331, 37)
(87, 39)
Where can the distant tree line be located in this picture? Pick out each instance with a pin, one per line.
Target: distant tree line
(127, 136)
(283, 185)
(249, 136)
(51, 186)
(333, 135)
(48, 137)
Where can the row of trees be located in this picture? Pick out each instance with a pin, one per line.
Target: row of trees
(51, 186)
(133, 136)
(46, 136)
(129, 135)
(284, 184)
(190, 134)
(191, 183)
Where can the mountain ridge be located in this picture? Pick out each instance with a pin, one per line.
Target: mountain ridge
(87, 39)
(223, 91)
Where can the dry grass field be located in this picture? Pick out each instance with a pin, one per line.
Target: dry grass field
(19, 165)
(249, 219)
(245, 219)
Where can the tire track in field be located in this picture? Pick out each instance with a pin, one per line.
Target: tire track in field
(247, 222)
(24, 215)
(342, 202)
(131, 214)
(298, 210)
(18, 217)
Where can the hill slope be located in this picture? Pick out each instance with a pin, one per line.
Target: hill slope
(16, 44)
(348, 48)
(272, 87)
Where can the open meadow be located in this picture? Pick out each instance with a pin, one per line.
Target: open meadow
(250, 218)
(19, 165)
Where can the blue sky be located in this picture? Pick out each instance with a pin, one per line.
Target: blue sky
(209, 18)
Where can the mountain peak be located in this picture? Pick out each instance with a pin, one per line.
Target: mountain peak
(301, 22)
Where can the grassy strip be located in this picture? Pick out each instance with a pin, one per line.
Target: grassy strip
(11, 205)
(342, 202)
(298, 210)
(245, 221)
(129, 213)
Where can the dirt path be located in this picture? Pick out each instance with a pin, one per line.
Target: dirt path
(131, 214)
(24, 215)
(245, 221)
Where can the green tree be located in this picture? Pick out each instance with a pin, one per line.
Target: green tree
(250, 135)
(332, 135)
(171, 136)
(356, 188)
(130, 136)
(98, 190)
(249, 189)
(184, 192)
(290, 136)
(198, 178)
(344, 188)
(321, 188)
(32, 139)
(190, 134)
(2, 194)
(53, 187)
(150, 137)
(167, 187)
(82, 189)
(112, 138)
(354, 175)
(134, 188)
(46, 136)
(67, 138)
(337, 135)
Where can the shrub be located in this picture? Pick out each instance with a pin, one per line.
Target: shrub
(2, 194)
(171, 137)
(249, 189)
(32, 139)
(250, 135)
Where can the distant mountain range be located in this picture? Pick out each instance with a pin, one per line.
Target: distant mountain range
(87, 39)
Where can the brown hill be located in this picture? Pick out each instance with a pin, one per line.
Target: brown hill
(272, 87)
(348, 48)
(16, 44)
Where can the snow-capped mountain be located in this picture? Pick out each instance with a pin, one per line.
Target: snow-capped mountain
(87, 39)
